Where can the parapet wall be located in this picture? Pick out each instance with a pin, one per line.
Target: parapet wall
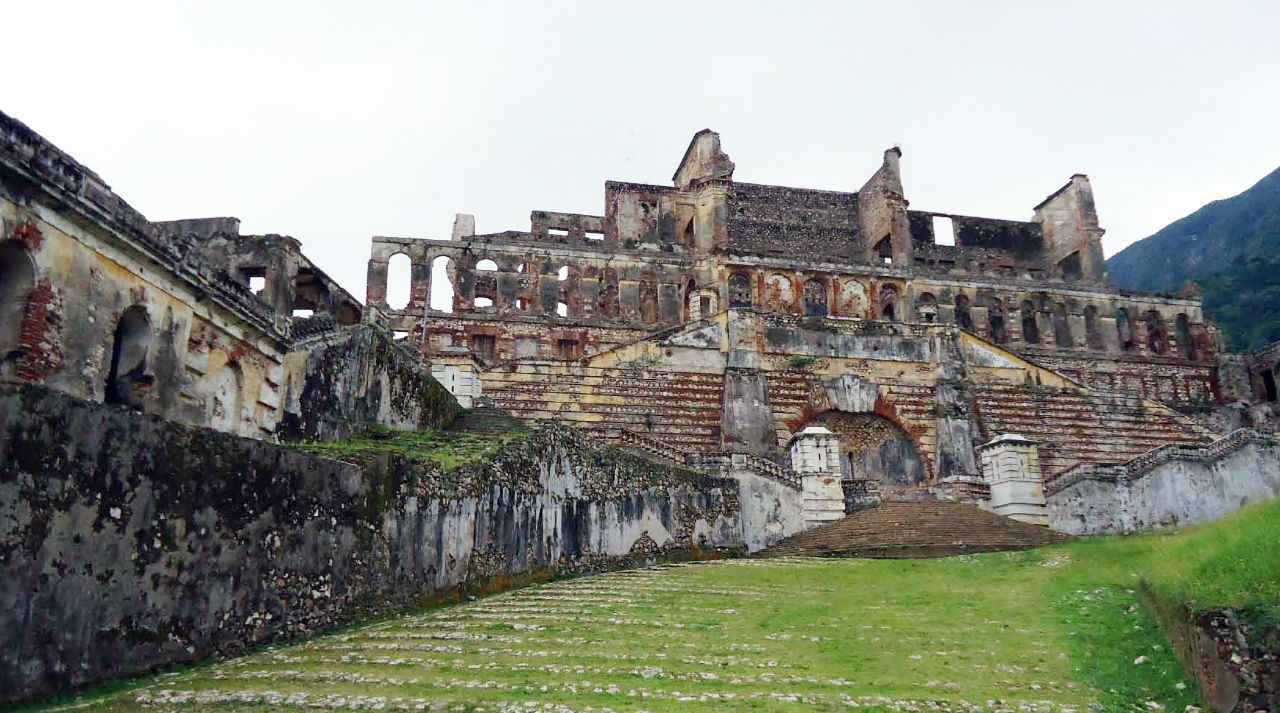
(129, 542)
(1172, 485)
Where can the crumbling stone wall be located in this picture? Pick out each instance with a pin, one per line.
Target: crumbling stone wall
(209, 351)
(340, 382)
(128, 541)
(291, 284)
(1036, 287)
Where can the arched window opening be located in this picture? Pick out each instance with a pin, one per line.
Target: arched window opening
(1030, 330)
(1184, 336)
(482, 302)
(442, 289)
(1156, 341)
(562, 309)
(1092, 332)
(1268, 385)
(689, 300)
(224, 398)
(927, 308)
(739, 290)
(779, 293)
(487, 265)
(17, 278)
(964, 320)
(399, 281)
(815, 298)
(522, 305)
(562, 274)
(853, 299)
(687, 239)
(1124, 330)
(888, 303)
(995, 320)
(128, 376)
(1061, 326)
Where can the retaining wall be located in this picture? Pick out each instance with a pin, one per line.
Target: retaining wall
(129, 542)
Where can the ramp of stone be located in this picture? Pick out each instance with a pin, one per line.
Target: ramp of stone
(915, 529)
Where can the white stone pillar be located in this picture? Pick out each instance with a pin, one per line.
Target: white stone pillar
(456, 371)
(815, 455)
(1011, 468)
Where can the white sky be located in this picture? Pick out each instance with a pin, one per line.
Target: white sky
(333, 122)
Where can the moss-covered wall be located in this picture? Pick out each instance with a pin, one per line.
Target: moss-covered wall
(340, 384)
(128, 541)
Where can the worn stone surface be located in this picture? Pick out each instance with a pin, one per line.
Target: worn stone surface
(1172, 486)
(1234, 662)
(129, 541)
(342, 381)
(665, 255)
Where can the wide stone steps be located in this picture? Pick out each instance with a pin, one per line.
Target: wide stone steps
(915, 529)
(1082, 427)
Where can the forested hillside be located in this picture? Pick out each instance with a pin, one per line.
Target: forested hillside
(1229, 247)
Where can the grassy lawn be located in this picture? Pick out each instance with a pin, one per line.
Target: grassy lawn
(1032, 631)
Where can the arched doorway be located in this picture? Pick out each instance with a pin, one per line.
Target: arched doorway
(875, 448)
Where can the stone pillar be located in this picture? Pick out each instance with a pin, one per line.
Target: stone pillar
(1011, 468)
(455, 368)
(815, 455)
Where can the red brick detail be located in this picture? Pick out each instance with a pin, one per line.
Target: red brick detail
(41, 333)
(28, 235)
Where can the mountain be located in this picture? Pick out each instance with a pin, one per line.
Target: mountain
(1206, 242)
(1244, 300)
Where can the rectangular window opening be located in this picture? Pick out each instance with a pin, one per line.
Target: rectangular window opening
(944, 231)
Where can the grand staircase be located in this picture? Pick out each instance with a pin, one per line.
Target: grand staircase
(896, 529)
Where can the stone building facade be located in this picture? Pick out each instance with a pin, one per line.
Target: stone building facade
(664, 256)
(713, 316)
(187, 320)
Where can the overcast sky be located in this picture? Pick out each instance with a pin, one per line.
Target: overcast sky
(333, 122)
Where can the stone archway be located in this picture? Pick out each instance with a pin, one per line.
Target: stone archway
(873, 447)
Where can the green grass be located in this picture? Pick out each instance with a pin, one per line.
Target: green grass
(447, 448)
(967, 633)
(1057, 629)
(1233, 563)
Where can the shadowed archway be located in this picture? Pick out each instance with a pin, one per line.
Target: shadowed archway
(875, 448)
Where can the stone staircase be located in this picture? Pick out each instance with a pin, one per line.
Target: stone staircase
(915, 529)
(487, 420)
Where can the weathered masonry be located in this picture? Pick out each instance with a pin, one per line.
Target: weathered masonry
(663, 256)
(712, 317)
(187, 319)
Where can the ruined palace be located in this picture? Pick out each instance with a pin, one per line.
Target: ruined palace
(206, 442)
(713, 317)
